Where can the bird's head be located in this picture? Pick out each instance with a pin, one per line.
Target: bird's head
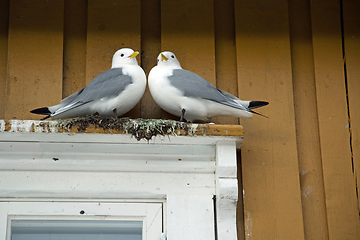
(124, 56)
(168, 59)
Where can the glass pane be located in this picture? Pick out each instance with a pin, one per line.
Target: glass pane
(22, 229)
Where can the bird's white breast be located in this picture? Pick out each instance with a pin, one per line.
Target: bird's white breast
(170, 98)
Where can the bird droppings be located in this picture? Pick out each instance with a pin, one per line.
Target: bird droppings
(138, 128)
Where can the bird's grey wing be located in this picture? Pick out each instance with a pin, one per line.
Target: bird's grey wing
(107, 84)
(65, 102)
(70, 98)
(192, 85)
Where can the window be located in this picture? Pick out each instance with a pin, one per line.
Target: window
(75, 220)
(42, 229)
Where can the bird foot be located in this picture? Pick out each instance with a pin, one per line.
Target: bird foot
(115, 112)
(182, 115)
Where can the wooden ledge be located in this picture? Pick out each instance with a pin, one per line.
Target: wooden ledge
(139, 128)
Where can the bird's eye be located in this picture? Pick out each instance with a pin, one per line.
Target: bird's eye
(172, 56)
(122, 55)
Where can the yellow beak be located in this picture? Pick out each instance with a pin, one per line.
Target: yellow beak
(163, 57)
(134, 54)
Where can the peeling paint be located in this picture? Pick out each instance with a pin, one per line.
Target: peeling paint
(193, 129)
(248, 225)
(2, 125)
(13, 126)
(21, 126)
(307, 191)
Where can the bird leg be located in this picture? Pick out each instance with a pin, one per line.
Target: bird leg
(182, 115)
(115, 112)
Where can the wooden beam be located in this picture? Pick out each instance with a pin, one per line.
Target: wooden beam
(269, 157)
(75, 21)
(340, 191)
(35, 56)
(151, 47)
(111, 25)
(351, 30)
(121, 126)
(306, 118)
(4, 28)
(187, 29)
(225, 52)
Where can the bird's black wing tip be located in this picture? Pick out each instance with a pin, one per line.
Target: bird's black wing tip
(41, 111)
(257, 104)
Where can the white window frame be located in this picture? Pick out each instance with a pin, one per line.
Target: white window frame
(185, 172)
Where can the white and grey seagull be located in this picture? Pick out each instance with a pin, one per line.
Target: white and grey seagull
(112, 93)
(189, 96)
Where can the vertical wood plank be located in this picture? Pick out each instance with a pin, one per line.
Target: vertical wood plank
(35, 56)
(4, 27)
(351, 23)
(340, 191)
(309, 154)
(187, 29)
(75, 21)
(240, 223)
(150, 46)
(112, 24)
(269, 156)
(225, 52)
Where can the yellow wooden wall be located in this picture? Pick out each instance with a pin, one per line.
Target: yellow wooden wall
(298, 169)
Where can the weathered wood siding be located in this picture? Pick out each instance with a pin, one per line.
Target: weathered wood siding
(299, 169)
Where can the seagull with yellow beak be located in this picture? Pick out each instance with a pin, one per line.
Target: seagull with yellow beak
(112, 93)
(189, 96)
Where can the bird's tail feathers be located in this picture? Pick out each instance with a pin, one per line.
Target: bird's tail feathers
(257, 113)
